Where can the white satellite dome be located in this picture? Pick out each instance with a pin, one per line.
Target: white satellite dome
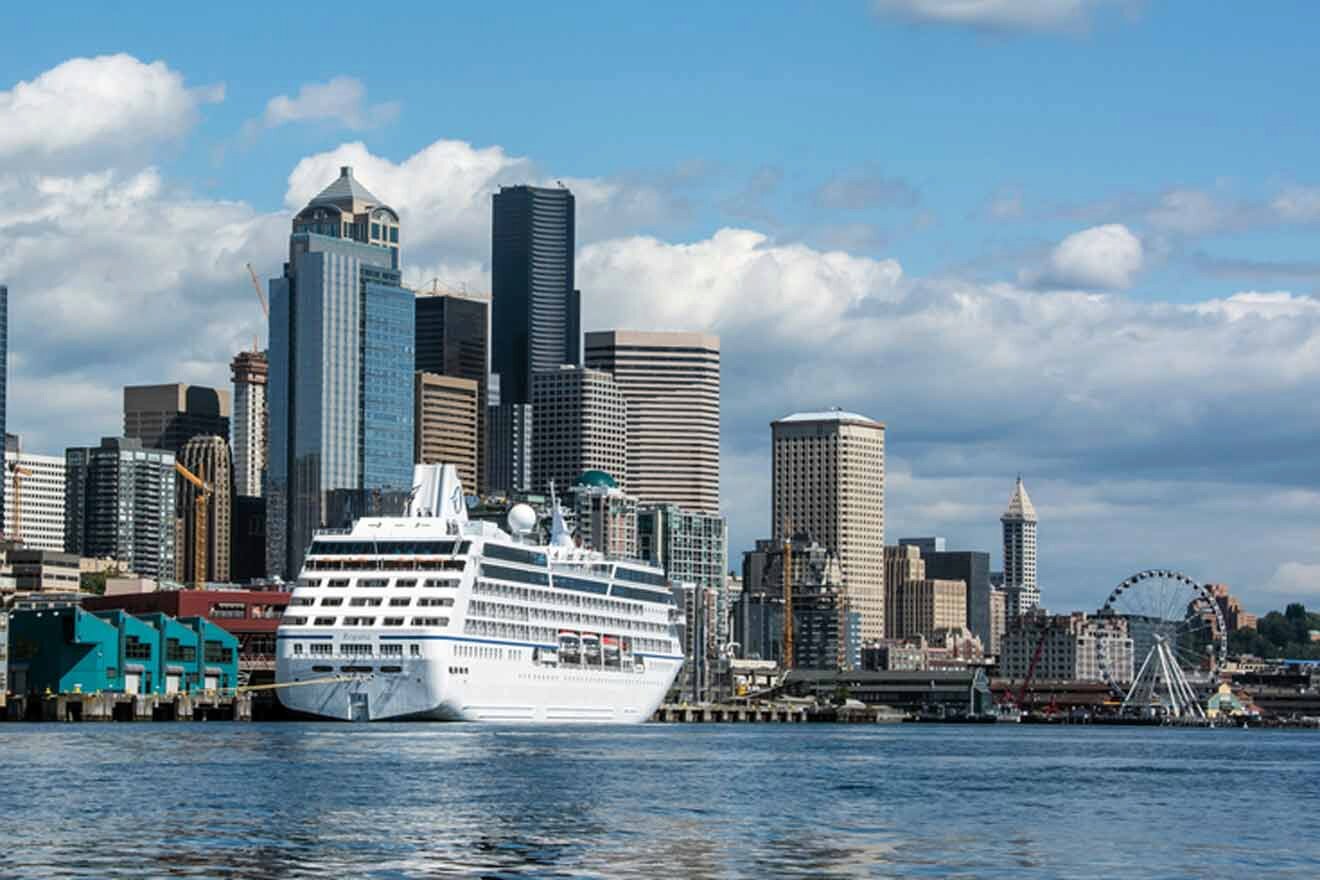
(522, 519)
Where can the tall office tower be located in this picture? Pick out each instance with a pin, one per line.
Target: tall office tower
(509, 445)
(34, 487)
(928, 605)
(4, 381)
(672, 384)
(536, 310)
(208, 459)
(972, 567)
(1021, 591)
(902, 565)
(119, 504)
(579, 423)
(341, 373)
(998, 620)
(445, 412)
(453, 339)
(828, 480)
(249, 371)
(168, 416)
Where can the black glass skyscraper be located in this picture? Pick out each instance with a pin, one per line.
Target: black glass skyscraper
(536, 322)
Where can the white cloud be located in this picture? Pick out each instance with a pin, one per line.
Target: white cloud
(1192, 212)
(1298, 204)
(998, 15)
(1299, 579)
(88, 108)
(342, 100)
(1100, 258)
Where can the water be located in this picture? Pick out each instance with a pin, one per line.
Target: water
(387, 801)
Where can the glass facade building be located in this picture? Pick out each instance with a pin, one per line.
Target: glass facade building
(341, 367)
(453, 335)
(4, 378)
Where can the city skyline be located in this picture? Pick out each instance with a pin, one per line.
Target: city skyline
(1074, 332)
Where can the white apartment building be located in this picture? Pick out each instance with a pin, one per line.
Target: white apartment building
(34, 494)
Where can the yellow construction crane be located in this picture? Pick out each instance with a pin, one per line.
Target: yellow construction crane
(203, 490)
(19, 473)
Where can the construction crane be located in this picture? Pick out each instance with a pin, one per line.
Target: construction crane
(19, 473)
(203, 490)
(261, 298)
(788, 599)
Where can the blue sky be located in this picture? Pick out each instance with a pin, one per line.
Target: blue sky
(1074, 238)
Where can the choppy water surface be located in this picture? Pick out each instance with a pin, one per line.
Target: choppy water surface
(329, 801)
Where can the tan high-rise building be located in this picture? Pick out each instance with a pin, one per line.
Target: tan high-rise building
(579, 424)
(998, 620)
(446, 424)
(672, 384)
(247, 427)
(828, 480)
(927, 605)
(208, 459)
(902, 564)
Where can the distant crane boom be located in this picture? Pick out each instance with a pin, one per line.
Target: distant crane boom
(261, 297)
(199, 523)
(19, 473)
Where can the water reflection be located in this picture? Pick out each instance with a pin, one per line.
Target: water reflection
(277, 801)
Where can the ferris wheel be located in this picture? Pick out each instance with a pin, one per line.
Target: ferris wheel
(1161, 638)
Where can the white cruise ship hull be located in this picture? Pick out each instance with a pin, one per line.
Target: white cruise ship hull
(492, 688)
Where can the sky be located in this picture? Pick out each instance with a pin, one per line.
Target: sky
(1072, 239)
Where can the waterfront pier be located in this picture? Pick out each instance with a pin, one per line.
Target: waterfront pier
(108, 706)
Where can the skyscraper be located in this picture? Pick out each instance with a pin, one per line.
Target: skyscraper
(119, 503)
(208, 459)
(579, 423)
(168, 416)
(445, 417)
(247, 439)
(341, 372)
(672, 384)
(34, 487)
(4, 376)
(1021, 591)
(536, 310)
(828, 481)
(453, 339)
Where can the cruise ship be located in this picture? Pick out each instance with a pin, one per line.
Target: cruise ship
(431, 616)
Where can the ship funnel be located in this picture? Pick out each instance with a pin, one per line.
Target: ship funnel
(437, 492)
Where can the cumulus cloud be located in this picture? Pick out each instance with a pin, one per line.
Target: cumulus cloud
(341, 100)
(88, 108)
(997, 15)
(1100, 258)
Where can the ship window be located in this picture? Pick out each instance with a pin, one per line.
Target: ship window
(337, 582)
(355, 649)
(445, 602)
(332, 601)
(392, 621)
(513, 574)
(297, 649)
(365, 601)
(391, 650)
(414, 650)
(323, 669)
(322, 648)
(400, 602)
(391, 669)
(294, 621)
(406, 582)
(373, 582)
(514, 554)
(309, 582)
(325, 621)
(302, 601)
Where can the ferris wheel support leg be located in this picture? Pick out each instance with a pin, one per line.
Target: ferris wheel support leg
(1136, 682)
(1170, 686)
